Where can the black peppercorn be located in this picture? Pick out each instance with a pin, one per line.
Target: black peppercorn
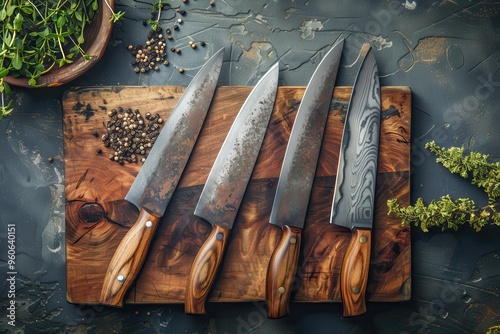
(123, 138)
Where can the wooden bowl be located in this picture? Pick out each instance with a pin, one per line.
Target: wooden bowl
(97, 35)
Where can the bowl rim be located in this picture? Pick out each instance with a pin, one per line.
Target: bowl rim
(79, 66)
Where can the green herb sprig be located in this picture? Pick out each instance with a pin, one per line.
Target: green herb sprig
(154, 21)
(36, 36)
(446, 212)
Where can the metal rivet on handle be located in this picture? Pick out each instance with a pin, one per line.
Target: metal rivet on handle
(219, 236)
(356, 290)
(293, 240)
(363, 239)
(281, 290)
(149, 224)
(120, 278)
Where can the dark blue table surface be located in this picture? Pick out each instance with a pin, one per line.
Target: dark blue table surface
(448, 52)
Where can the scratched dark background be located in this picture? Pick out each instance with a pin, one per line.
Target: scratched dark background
(448, 52)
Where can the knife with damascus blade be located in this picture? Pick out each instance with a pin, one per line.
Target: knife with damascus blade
(155, 183)
(354, 193)
(296, 180)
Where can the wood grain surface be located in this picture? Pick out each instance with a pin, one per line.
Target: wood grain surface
(97, 216)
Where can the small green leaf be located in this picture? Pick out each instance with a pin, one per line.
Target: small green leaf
(61, 21)
(78, 15)
(7, 90)
(7, 38)
(18, 22)
(45, 33)
(117, 16)
(10, 10)
(3, 14)
(17, 63)
(4, 72)
(80, 39)
(27, 9)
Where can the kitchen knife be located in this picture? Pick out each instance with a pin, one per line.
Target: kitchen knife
(354, 192)
(296, 180)
(226, 184)
(155, 183)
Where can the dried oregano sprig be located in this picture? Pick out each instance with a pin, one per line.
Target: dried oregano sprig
(446, 212)
(484, 174)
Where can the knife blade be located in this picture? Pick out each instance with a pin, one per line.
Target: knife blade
(226, 184)
(155, 183)
(354, 192)
(296, 180)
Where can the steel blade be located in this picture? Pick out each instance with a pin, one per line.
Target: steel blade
(302, 152)
(354, 192)
(156, 181)
(228, 179)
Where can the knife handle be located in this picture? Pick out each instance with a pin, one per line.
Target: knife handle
(128, 259)
(281, 272)
(354, 276)
(204, 270)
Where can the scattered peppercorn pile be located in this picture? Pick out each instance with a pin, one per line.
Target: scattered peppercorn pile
(130, 134)
(153, 52)
(149, 55)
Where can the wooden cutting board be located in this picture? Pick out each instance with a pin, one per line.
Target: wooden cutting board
(97, 217)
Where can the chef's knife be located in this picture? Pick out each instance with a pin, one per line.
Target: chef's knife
(226, 184)
(155, 183)
(354, 192)
(296, 180)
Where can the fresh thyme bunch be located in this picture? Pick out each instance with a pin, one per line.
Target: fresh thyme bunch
(446, 212)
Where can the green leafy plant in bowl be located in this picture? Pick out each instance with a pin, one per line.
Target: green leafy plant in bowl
(49, 43)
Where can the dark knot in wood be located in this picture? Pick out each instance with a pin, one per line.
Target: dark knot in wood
(91, 212)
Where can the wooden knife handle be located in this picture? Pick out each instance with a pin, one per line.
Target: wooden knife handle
(128, 259)
(354, 276)
(204, 269)
(281, 273)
